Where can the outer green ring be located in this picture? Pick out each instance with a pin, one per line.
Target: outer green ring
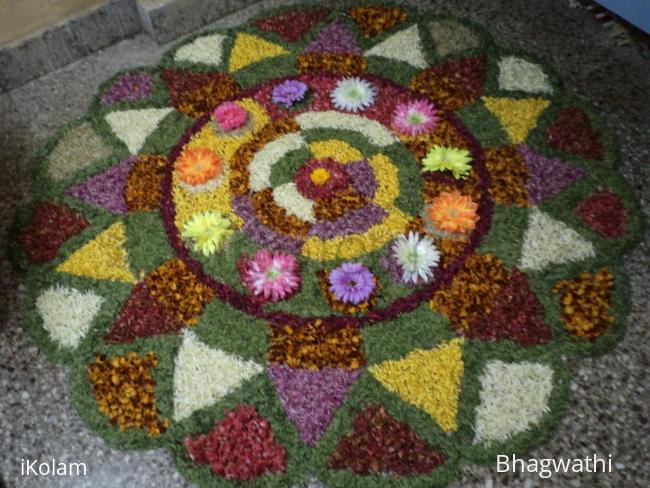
(41, 276)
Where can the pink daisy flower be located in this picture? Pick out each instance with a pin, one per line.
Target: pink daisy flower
(272, 276)
(413, 118)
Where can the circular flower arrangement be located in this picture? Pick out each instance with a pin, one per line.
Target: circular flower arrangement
(354, 245)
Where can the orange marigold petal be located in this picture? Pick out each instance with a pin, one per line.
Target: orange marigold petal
(198, 166)
(453, 212)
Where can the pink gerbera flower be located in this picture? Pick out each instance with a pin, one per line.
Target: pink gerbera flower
(413, 118)
(271, 276)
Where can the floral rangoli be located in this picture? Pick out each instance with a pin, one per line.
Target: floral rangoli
(356, 245)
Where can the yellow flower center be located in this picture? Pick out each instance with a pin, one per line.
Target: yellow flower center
(319, 176)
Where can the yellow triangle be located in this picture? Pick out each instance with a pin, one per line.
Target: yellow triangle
(430, 380)
(250, 49)
(517, 116)
(103, 258)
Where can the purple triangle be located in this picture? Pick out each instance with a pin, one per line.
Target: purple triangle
(106, 189)
(334, 38)
(311, 397)
(548, 176)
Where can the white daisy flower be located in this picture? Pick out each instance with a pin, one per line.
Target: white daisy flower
(416, 255)
(353, 94)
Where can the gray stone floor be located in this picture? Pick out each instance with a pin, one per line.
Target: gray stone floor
(609, 411)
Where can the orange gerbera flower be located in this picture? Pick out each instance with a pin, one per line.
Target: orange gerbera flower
(453, 212)
(198, 166)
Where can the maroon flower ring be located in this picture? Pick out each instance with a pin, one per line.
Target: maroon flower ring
(321, 85)
(337, 180)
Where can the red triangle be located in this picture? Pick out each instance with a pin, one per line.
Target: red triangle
(605, 213)
(572, 132)
(291, 26)
(50, 225)
(242, 446)
(453, 84)
(381, 444)
(141, 316)
(516, 315)
(196, 94)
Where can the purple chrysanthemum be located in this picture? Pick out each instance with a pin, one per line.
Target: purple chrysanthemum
(352, 283)
(289, 92)
(130, 87)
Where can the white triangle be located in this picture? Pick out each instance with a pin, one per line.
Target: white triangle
(67, 313)
(203, 375)
(549, 241)
(134, 126)
(514, 397)
(404, 46)
(204, 49)
(519, 74)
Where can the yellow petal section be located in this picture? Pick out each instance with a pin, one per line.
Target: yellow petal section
(225, 144)
(387, 181)
(430, 380)
(337, 150)
(517, 116)
(348, 247)
(250, 49)
(103, 258)
(189, 203)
